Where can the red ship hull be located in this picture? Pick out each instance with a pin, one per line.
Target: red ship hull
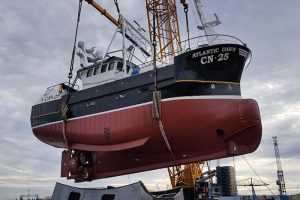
(129, 140)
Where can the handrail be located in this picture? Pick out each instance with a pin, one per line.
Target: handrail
(65, 83)
(202, 40)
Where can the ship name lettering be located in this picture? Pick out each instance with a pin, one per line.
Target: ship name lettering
(228, 49)
(49, 98)
(207, 59)
(211, 58)
(205, 52)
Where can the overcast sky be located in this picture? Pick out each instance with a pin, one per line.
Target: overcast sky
(36, 39)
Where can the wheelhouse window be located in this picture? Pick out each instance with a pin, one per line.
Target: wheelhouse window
(74, 196)
(119, 66)
(104, 67)
(127, 68)
(108, 197)
(96, 71)
(111, 66)
(89, 72)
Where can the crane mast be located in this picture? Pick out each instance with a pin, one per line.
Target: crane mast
(207, 27)
(280, 178)
(163, 22)
(185, 175)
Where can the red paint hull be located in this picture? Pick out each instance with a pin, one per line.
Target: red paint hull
(129, 140)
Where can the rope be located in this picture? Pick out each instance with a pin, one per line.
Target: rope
(64, 135)
(257, 174)
(163, 133)
(74, 46)
(64, 109)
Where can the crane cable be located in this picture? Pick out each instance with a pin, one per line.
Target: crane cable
(257, 174)
(157, 95)
(64, 108)
(186, 10)
(74, 46)
(117, 6)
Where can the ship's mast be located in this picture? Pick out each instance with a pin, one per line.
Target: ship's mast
(198, 5)
(127, 30)
(206, 26)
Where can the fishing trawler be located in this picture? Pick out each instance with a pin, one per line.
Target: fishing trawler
(134, 115)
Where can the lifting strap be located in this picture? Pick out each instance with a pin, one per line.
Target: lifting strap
(156, 112)
(156, 97)
(64, 110)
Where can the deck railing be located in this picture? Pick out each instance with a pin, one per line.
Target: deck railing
(202, 41)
